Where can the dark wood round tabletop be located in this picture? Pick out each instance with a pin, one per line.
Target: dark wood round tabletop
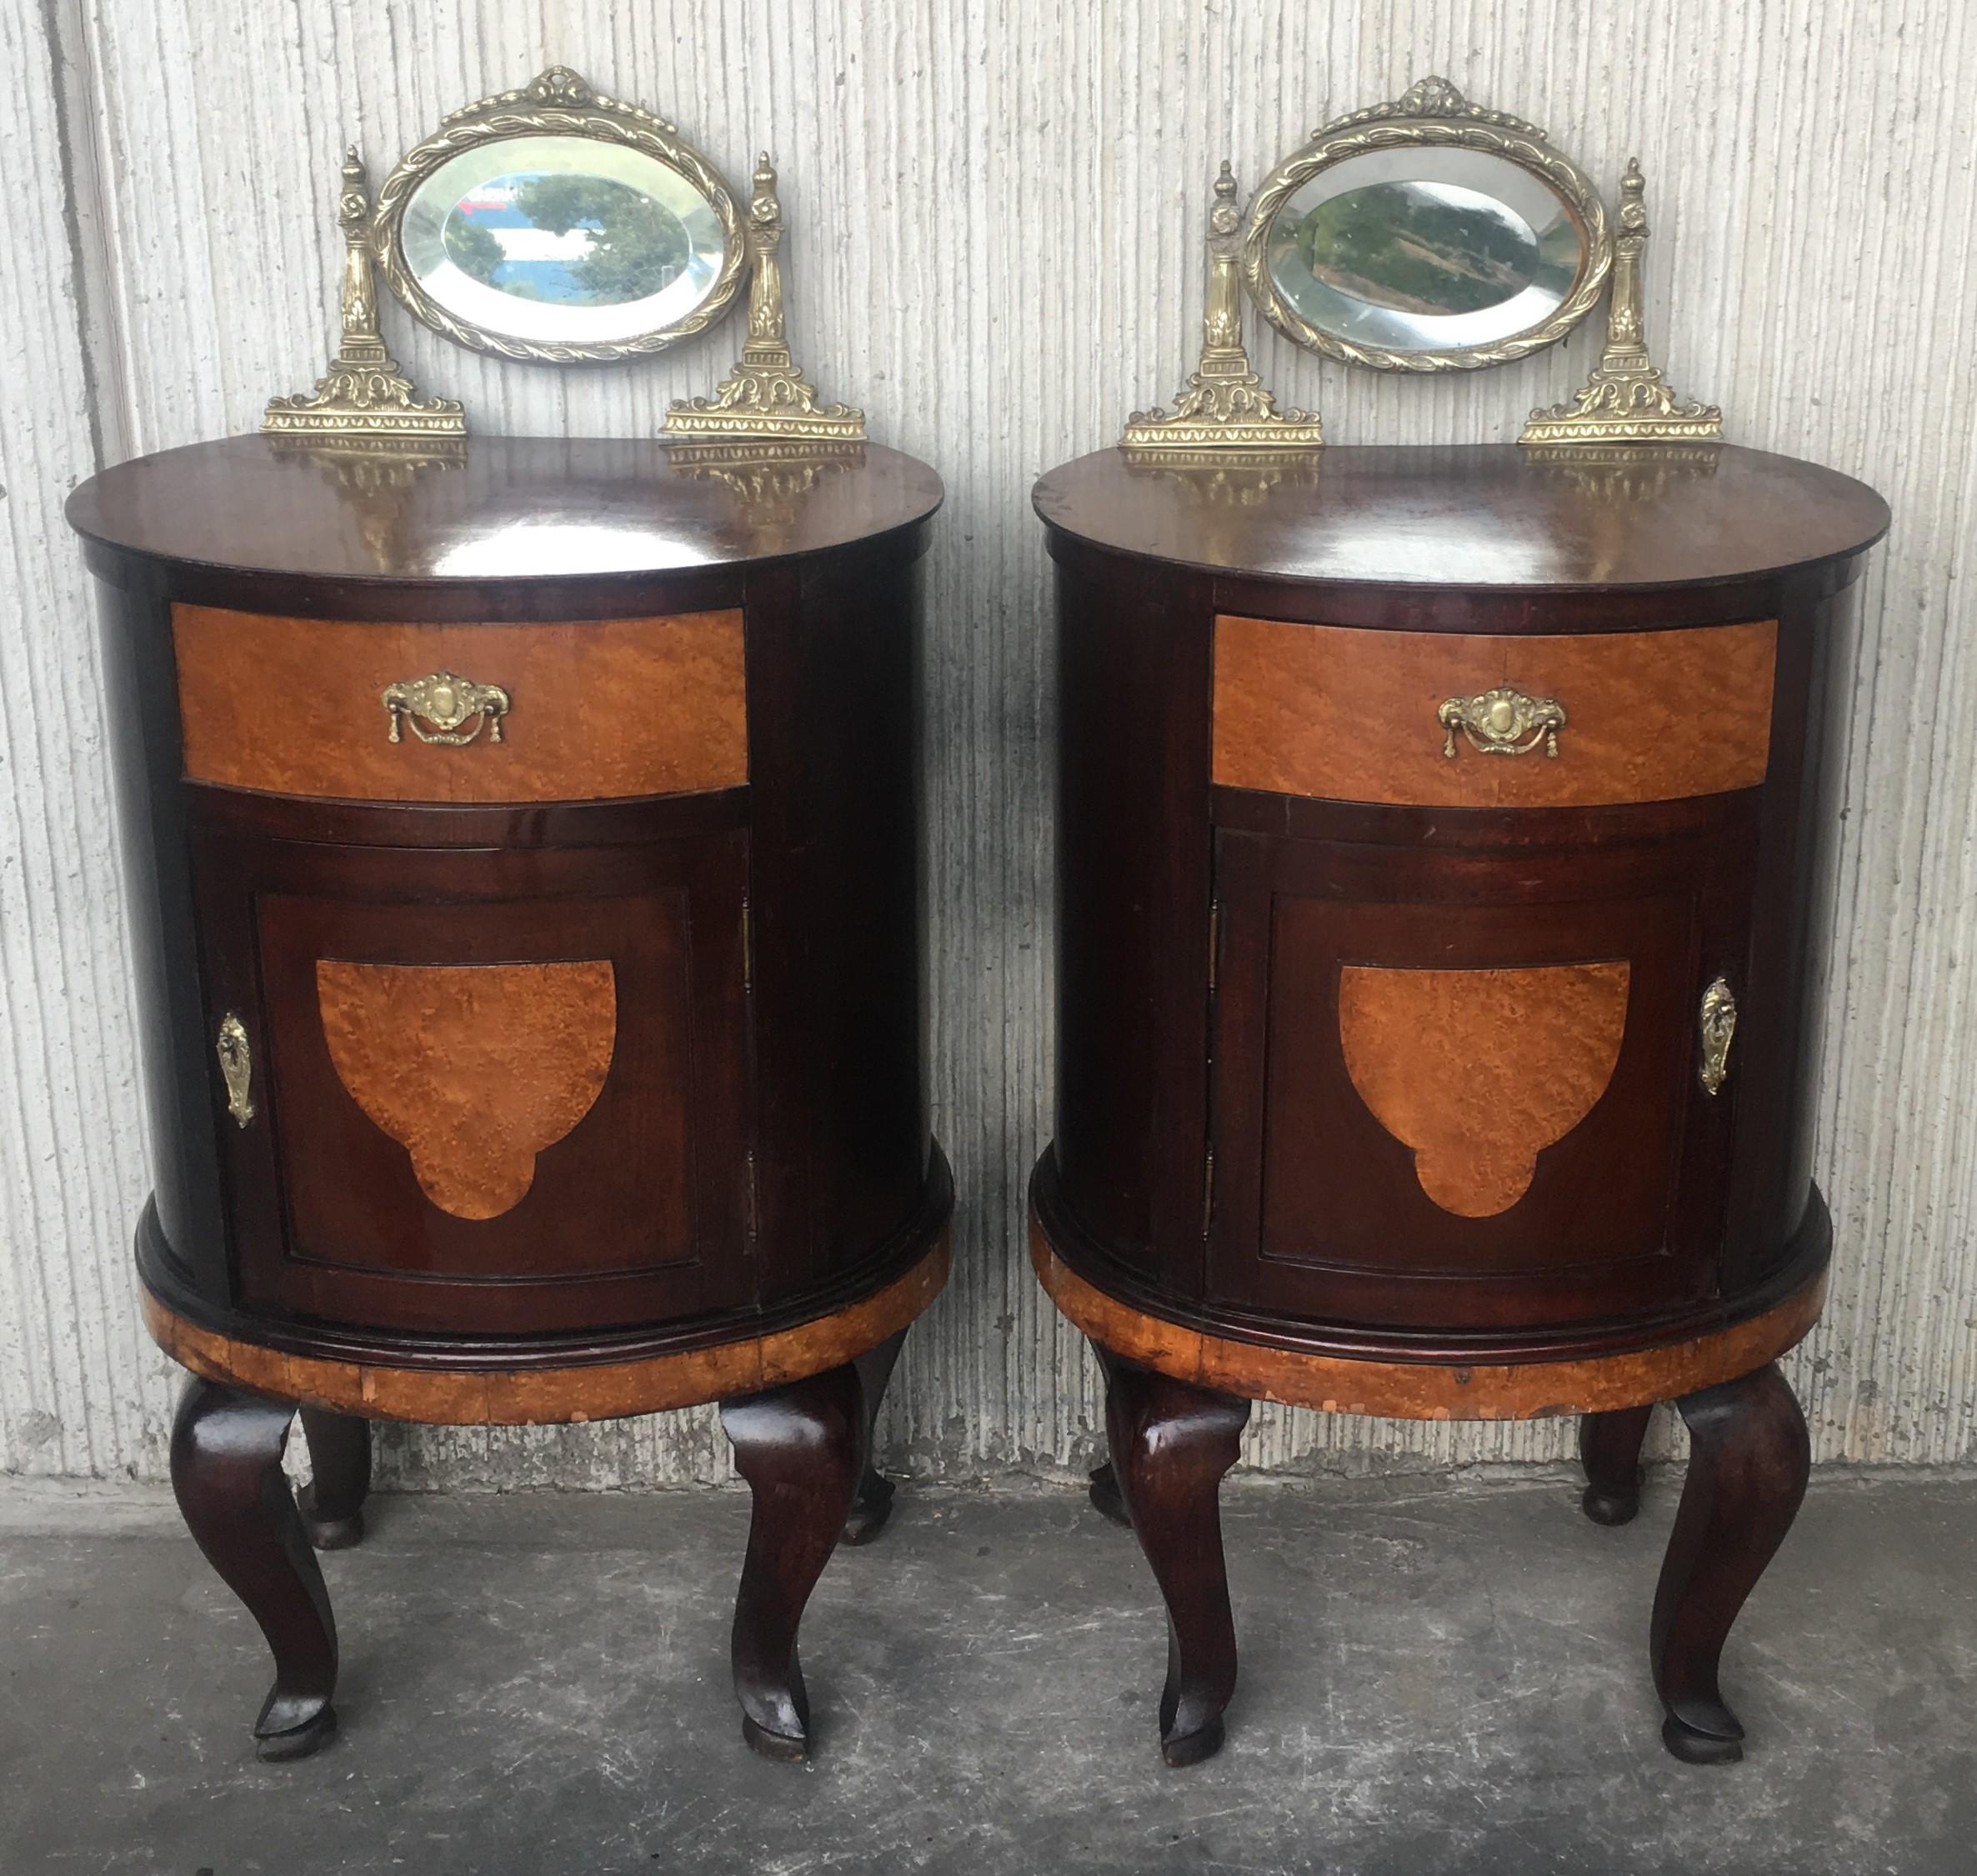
(1469, 516)
(496, 507)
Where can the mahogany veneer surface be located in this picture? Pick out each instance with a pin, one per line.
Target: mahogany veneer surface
(1351, 714)
(601, 708)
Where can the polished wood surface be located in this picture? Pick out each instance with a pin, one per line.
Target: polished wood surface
(1350, 715)
(1749, 1456)
(1470, 516)
(602, 708)
(474, 1069)
(1378, 1079)
(226, 1445)
(1423, 1390)
(499, 509)
(545, 1395)
(1479, 1070)
(587, 1062)
(802, 1448)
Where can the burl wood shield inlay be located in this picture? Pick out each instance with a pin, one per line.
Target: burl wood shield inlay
(1348, 714)
(1479, 1070)
(599, 709)
(473, 1068)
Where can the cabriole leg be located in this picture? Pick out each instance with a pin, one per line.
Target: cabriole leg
(1171, 1443)
(227, 1473)
(873, 1504)
(332, 1502)
(1609, 1449)
(802, 1449)
(1749, 1457)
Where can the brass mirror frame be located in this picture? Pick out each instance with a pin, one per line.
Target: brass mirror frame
(558, 103)
(1432, 114)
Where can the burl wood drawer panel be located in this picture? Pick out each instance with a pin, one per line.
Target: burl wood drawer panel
(1349, 714)
(596, 709)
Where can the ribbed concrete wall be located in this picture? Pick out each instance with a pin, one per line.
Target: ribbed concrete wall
(996, 212)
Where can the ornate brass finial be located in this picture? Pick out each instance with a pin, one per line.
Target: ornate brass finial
(1224, 404)
(765, 395)
(363, 393)
(1626, 400)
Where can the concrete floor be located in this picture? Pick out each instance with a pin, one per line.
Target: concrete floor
(1438, 1676)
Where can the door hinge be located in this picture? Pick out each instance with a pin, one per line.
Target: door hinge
(1208, 1193)
(1215, 942)
(753, 1230)
(747, 947)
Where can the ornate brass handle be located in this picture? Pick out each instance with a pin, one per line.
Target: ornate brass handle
(236, 1068)
(1503, 721)
(445, 701)
(1717, 1020)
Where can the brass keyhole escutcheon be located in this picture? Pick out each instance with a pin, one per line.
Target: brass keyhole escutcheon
(236, 1068)
(1717, 1021)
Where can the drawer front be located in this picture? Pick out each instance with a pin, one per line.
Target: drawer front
(1458, 1089)
(491, 1092)
(1349, 714)
(585, 711)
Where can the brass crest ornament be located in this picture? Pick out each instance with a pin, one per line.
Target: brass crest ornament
(363, 394)
(1224, 404)
(444, 700)
(1626, 400)
(765, 395)
(1503, 721)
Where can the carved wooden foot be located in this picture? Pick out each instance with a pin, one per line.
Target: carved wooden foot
(874, 1503)
(802, 1449)
(1610, 1450)
(227, 1473)
(1171, 1443)
(1749, 1457)
(332, 1502)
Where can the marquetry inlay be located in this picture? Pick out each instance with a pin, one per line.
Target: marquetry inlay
(473, 1068)
(1479, 1070)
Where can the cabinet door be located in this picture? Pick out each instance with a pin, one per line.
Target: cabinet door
(1455, 1089)
(494, 1092)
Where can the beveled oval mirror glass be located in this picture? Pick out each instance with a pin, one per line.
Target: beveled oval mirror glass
(562, 239)
(1425, 249)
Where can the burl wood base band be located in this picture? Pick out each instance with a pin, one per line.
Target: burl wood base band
(1424, 1390)
(556, 1396)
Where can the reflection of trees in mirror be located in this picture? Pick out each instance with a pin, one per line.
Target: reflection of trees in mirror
(1418, 247)
(630, 246)
(472, 248)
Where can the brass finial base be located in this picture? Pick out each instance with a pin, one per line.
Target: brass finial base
(1224, 404)
(1626, 400)
(765, 395)
(363, 393)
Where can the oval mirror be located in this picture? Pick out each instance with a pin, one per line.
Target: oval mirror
(558, 225)
(1426, 235)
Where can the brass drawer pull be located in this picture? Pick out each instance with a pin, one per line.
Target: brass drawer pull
(236, 1068)
(1717, 1023)
(1503, 721)
(445, 701)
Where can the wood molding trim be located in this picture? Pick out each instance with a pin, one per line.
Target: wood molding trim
(555, 1396)
(1424, 1390)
